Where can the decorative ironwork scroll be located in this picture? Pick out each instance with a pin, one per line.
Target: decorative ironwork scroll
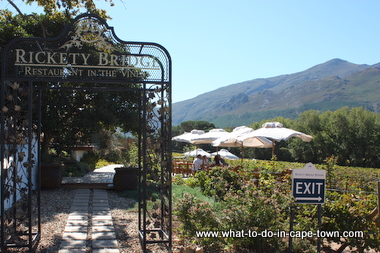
(20, 204)
(87, 55)
(155, 181)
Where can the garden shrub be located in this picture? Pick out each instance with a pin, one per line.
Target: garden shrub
(101, 163)
(219, 181)
(114, 156)
(349, 212)
(73, 168)
(249, 209)
(195, 216)
(254, 210)
(90, 158)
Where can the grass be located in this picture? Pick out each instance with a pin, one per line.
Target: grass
(177, 192)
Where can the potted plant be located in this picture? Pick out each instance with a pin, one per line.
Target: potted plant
(51, 172)
(126, 177)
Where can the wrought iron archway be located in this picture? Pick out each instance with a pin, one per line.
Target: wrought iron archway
(86, 53)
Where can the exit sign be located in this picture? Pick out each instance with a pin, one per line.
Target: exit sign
(308, 185)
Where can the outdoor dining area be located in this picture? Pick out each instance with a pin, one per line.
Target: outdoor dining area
(185, 165)
(242, 137)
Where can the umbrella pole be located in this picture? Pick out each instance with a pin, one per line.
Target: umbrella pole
(242, 155)
(272, 148)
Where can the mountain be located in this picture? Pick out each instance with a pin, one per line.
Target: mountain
(327, 86)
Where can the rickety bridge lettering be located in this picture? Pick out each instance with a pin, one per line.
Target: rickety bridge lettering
(103, 64)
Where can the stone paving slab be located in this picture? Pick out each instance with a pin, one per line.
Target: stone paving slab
(77, 223)
(98, 195)
(106, 251)
(73, 244)
(100, 205)
(98, 244)
(96, 229)
(73, 251)
(78, 217)
(100, 200)
(70, 228)
(103, 235)
(102, 223)
(83, 191)
(80, 201)
(74, 236)
(79, 212)
(101, 217)
(98, 192)
(82, 196)
(79, 208)
(100, 208)
(101, 212)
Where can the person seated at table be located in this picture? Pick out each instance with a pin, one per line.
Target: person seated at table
(217, 161)
(205, 161)
(223, 161)
(198, 163)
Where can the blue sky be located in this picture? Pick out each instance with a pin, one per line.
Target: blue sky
(215, 43)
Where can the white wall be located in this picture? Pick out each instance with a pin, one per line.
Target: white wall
(12, 162)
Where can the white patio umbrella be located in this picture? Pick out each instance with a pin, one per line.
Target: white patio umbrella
(210, 136)
(231, 139)
(224, 153)
(188, 136)
(196, 152)
(274, 131)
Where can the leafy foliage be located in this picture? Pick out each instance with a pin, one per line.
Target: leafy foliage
(348, 212)
(218, 182)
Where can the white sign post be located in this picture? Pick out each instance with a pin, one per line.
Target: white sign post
(308, 185)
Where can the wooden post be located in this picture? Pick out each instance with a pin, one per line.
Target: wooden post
(376, 211)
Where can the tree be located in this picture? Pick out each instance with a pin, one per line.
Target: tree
(69, 7)
(351, 135)
(71, 118)
(312, 123)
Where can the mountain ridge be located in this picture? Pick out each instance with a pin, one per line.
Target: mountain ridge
(286, 95)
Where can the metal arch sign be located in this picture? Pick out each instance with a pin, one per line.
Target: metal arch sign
(88, 50)
(308, 185)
